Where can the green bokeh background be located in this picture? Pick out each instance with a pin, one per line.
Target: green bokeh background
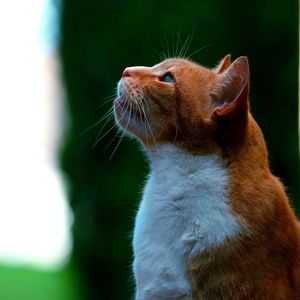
(98, 39)
(24, 283)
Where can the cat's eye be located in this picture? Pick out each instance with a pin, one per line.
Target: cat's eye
(168, 77)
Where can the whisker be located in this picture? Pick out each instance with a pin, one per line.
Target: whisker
(165, 49)
(169, 47)
(111, 141)
(185, 46)
(161, 55)
(119, 130)
(145, 127)
(177, 45)
(139, 109)
(110, 129)
(106, 100)
(147, 121)
(107, 115)
(118, 144)
(120, 140)
(105, 123)
(202, 48)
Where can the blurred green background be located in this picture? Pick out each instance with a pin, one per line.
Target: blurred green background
(25, 283)
(98, 40)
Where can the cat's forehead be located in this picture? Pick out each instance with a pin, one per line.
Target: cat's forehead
(173, 64)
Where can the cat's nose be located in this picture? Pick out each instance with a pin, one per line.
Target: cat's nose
(137, 72)
(126, 73)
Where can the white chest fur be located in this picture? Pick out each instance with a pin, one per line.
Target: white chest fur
(183, 212)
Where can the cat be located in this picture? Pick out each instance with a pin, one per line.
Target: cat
(214, 223)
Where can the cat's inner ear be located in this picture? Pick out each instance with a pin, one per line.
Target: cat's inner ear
(223, 64)
(232, 92)
(230, 101)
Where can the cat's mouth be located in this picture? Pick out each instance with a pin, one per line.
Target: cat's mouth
(127, 110)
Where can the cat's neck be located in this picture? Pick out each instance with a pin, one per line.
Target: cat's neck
(166, 157)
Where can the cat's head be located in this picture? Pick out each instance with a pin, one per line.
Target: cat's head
(181, 102)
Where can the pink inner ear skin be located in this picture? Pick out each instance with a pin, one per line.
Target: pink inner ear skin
(224, 64)
(222, 105)
(234, 91)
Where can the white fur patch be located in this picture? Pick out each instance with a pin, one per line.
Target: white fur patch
(183, 212)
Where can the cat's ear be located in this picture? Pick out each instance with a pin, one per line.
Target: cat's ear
(231, 103)
(223, 64)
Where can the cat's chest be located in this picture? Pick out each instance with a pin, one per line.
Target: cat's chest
(184, 211)
(186, 198)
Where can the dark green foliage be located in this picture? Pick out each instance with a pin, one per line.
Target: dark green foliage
(98, 40)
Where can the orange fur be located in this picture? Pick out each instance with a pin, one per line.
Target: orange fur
(207, 111)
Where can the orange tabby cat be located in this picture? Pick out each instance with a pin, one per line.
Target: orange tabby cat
(214, 223)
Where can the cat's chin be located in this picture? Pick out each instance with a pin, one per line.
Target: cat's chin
(119, 103)
(126, 119)
(134, 126)
(122, 111)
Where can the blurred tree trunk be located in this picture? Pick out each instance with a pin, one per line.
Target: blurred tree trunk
(98, 40)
